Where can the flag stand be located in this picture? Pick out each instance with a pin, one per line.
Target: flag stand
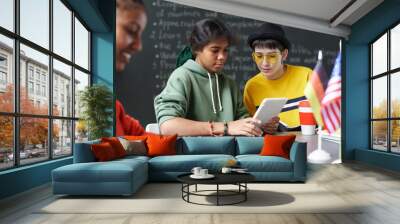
(319, 155)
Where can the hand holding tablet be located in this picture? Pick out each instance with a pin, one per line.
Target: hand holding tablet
(269, 108)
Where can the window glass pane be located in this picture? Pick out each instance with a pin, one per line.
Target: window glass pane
(33, 139)
(81, 81)
(6, 142)
(62, 89)
(379, 56)
(7, 14)
(395, 47)
(62, 138)
(34, 97)
(395, 95)
(81, 131)
(81, 45)
(35, 21)
(62, 29)
(395, 138)
(379, 135)
(379, 98)
(6, 74)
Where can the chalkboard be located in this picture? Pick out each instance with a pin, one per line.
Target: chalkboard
(168, 27)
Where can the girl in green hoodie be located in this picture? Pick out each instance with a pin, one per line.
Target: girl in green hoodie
(198, 99)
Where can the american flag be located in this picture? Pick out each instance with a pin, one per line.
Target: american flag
(315, 88)
(331, 103)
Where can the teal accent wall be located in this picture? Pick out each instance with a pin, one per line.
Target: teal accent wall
(24, 178)
(102, 59)
(91, 13)
(380, 159)
(99, 16)
(357, 99)
(103, 52)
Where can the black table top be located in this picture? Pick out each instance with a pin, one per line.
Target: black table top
(220, 178)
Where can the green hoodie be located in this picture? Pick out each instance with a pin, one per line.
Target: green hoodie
(188, 94)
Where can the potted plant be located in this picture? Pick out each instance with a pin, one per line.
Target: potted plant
(96, 103)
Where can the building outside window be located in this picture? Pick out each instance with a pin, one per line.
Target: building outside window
(56, 128)
(3, 61)
(3, 78)
(30, 72)
(44, 77)
(385, 96)
(38, 89)
(37, 75)
(43, 90)
(3, 72)
(55, 94)
(30, 87)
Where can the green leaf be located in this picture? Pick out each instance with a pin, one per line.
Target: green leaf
(96, 102)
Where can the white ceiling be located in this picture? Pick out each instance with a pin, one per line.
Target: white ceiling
(319, 9)
(314, 15)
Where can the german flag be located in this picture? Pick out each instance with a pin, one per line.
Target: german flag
(315, 89)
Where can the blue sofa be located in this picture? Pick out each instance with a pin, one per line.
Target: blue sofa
(125, 176)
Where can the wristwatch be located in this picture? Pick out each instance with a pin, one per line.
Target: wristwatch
(225, 128)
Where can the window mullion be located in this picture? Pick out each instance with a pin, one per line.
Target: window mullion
(389, 101)
(371, 89)
(73, 83)
(50, 81)
(16, 84)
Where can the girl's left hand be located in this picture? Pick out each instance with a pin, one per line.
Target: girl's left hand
(271, 126)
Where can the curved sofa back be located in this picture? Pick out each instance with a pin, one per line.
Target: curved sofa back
(206, 145)
(249, 145)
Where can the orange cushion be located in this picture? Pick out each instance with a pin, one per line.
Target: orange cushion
(277, 145)
(159, 145)
(116, 145)
(103, 151)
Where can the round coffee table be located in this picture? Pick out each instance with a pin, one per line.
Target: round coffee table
(238, 179)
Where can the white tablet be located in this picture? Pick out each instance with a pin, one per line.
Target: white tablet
(269, 108)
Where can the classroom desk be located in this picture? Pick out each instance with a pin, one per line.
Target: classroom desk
(329, 144)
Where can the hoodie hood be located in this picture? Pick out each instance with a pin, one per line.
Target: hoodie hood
(194, 67)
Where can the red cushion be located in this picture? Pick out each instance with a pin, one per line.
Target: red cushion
(277, 145)
(159, 145)
(103, 151)
(116, 145)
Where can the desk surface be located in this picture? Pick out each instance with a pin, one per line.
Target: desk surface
(332, 147)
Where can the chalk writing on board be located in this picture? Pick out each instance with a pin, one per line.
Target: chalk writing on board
(169, 26)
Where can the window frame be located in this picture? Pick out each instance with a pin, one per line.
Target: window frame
(388, 74)
(16, 115)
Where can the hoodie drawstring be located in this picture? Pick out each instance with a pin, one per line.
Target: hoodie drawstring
(219, 97)
(212, 93)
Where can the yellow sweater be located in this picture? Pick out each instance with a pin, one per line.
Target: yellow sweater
(291, 85)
